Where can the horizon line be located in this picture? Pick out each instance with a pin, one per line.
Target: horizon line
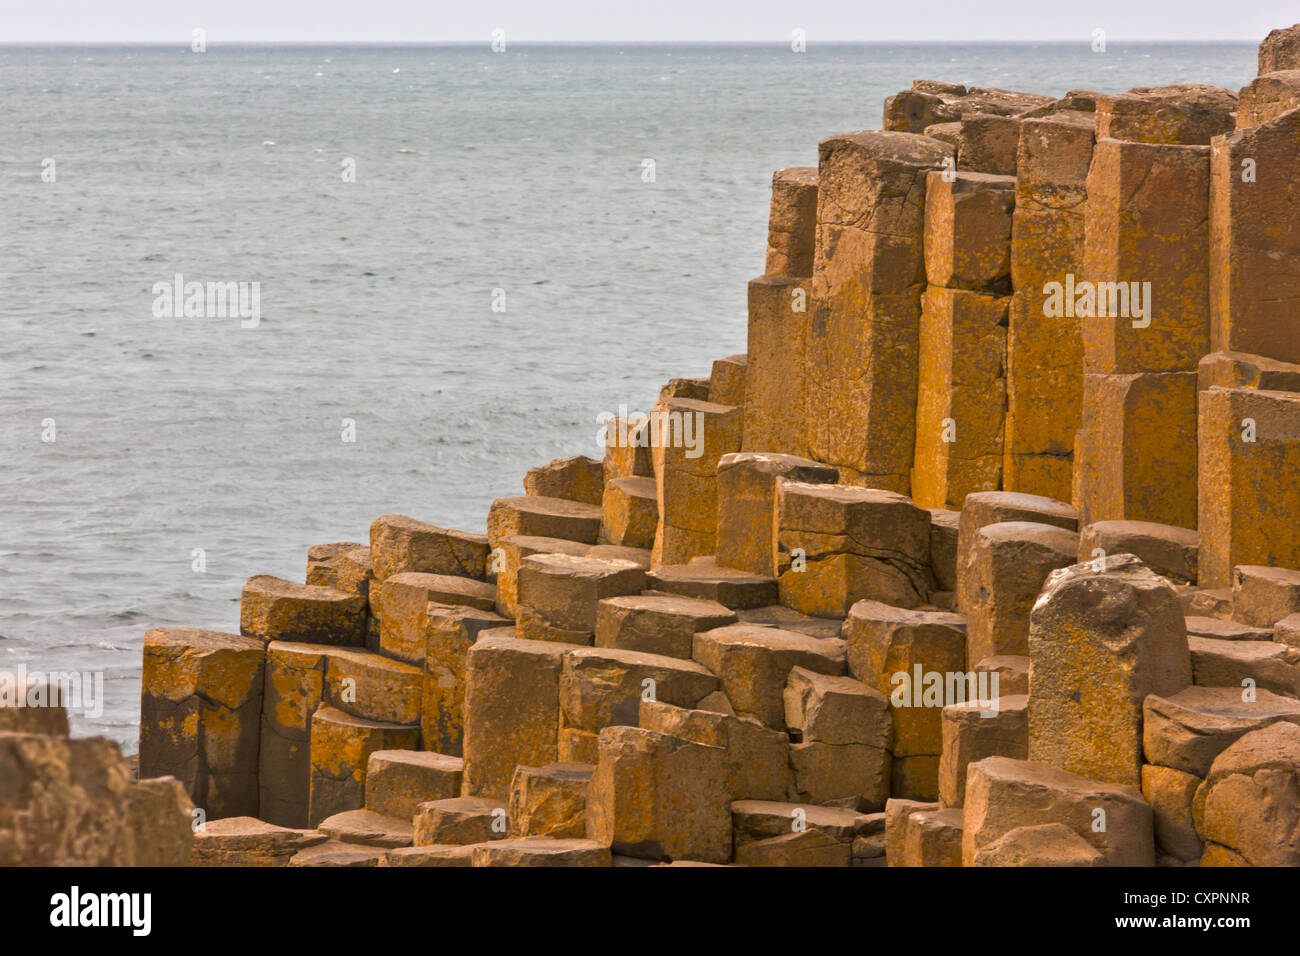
(181, 43)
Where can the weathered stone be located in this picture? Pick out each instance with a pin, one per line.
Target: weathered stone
(1287, 631)
(32, 705)
(943, 547)
(449, 632)
(460, 821)
(542, 851)
(1170, 794)
(1243, 370)
(1044, 353)
(747, 499)
(542, 517)
(616, 552)
(430, 856)
(869, 851)
(1003, 794)
(1262, 595)
(807, 848)
(370, 685)
(792, 222)
(932, 838)
(754, 820)
(398, 781)
(602, 687)
(510, 553)
(341, 745)
(399, 543)
(1225, 630)
(1268, 97)
(161, 821)
(1188, 730)
(838, 544)
(272, 609)
(367, 828)
(775, 379)
(836, 710)
(757, 759)
(247, 841)
(1185, 114)
(630, 512)
(512, 711)
(1146, 214)
(1250, 802)
(659, 797)
(692, 435)
(1264, 664)
(200, 713)
(1100, 641)
(988, 143)
(862, 352)
(896, 813)
(1280, 50)
(978, 729)
(294, 687)
(991, 507)
(64, 802)
(916, 659)
(1009, 562)
(754, 663)
(399, 603)
(1253, 239)
(657, 624)
(1247, 493)
(968, 231)
(577, 478)
(1167, 550)
(559, 594)
(929, 102)
(336, 853)
(855, 776)
(1046, 844)
(710, 581)
(322, 569)
(627, 448)
(961, 396)
(696, 389)
(550, 801)
(1141, 447)
(786, 618)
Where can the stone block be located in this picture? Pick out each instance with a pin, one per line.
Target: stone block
(630, 512)
(398, 781)
(577, 478)
(657, 623)
(792, 222)
(272, 609)
(968, 231)
(542, 517)
(559, 593)
(775, 377)
(399, 543)
(341, 745)
(747, 500)
(975, 730)
(550, 801)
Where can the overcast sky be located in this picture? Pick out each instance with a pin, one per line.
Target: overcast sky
(79, 21)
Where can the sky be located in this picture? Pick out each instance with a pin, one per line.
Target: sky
(1005, 21)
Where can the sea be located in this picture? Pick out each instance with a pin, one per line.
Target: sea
(452, 261)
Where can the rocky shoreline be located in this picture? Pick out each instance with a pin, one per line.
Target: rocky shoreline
(983, 553)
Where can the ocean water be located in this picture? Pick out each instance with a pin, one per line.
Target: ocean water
(474, 172)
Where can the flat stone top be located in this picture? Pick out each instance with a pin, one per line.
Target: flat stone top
(573, 565)
(1276, 746)
(462, 805)
(247, 833)
(829, 817)
(309, 655)
(326, 714)
(773, 638)
(279, 587)
(365, 824)
(1281, 576)
(796, 175)
(561, 770)
(199, 641)
(911, 149)
(944, 518)
(434, 610)
(1198, 626)
(1048, 534)
(845, 494)
(1001, 501)
(706, 572)
(969, 181)
(671, 604)
(417, 758)
(1039, 775)
(627, 658)
(528, 544)
(1013, 703)
(868, 610)
(545, 505)
(519, 645)
(778, 615)
(1075, 118)
(679, 403)
(1143, 529)
(452, 583)
(618, 552)
(1211, 709)
(1247, 651)
(321, 552)
(404, 523)
(776, 464)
